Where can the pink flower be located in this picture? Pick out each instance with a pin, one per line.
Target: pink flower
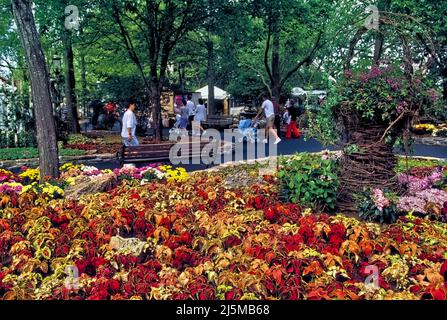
(380, 200)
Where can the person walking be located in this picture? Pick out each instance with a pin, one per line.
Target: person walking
(269, 111)
(192, 111)
(129, 127)
(292, 127)
(184, 116)
(200, 115)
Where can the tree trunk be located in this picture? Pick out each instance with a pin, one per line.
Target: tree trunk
(84, 85)
(83, 82)
(181, 77)
(378, 48)
(156, 114)
(70, 84)
(211, 78)
(383, 5)
(276, 66)
(40, 87)
(444, 84)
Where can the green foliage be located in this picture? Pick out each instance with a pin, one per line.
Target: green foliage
(33, 153)
(309, 180)
(378, 96)
(16, 119)
(322, 124)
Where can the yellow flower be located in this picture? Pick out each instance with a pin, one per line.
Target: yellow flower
(31, 174)
(425, 126)
(175, 175)
(47, 189)
(69, 165)
(71, 181)
(4, 172)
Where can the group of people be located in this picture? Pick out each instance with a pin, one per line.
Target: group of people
(272, 112)
(187, 113)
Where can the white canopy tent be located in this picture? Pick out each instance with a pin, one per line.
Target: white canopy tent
(219, 94)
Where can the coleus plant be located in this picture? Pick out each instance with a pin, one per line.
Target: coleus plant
(206, 240)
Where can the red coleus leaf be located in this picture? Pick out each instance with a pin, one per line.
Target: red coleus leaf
(277, 275)
(433, 293)
(443, 270)
(114, 286)
(234, 294)
(135, 196)
(232, 241)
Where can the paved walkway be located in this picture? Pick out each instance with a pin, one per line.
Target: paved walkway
(288, 147)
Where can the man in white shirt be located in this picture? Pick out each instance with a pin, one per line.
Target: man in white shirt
(129, 127)
(269, 111)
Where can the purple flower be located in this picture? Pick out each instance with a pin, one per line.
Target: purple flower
(415, 184)
(375, 72)
(419, 200)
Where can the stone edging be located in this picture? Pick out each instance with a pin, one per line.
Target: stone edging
(254, 161)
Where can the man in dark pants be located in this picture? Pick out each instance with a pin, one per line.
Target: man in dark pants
(277, 116)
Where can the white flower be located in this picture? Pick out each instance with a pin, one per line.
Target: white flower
(89, 169)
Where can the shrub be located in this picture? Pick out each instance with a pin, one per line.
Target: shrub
(309, 180)
(377, 206)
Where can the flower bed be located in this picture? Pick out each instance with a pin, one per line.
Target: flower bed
(203, 239)
(431, 130)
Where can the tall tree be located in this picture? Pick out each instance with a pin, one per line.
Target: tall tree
(40, 86)
(70, 84)
(284, 20)
(149, 30)
(59, 29)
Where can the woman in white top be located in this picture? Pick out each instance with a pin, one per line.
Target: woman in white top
(200, 114)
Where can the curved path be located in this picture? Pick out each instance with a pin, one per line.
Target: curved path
(289, 147)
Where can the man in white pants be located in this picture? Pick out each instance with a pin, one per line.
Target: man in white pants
(129, 127)
(269, 111)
